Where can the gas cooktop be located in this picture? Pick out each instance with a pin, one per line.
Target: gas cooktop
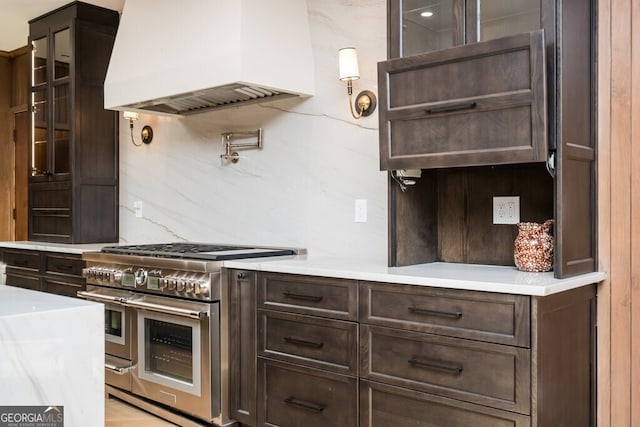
(201, 251)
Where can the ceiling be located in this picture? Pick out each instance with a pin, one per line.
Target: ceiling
(14, 15)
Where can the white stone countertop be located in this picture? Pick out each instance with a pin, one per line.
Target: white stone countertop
(56, 247)
(52, 355)
(475, 277)
(488, 278)
(16, 301)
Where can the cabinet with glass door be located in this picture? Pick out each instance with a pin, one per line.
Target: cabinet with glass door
(489, 98)
(74, 140)
(418, 26)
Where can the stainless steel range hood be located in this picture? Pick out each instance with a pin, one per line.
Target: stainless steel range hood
(184, 57)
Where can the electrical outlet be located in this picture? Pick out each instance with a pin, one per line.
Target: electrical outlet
(506, 210)
(360, 211)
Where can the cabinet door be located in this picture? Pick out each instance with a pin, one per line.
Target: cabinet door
(575, 176)
(419, 26)
(382, 406)
(242, 346)
(480, 104)
(294, 396)
(61, 108)
(492, 19)
(40, 106)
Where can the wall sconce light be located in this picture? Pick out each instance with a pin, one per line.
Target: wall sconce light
(366, 100)
(146, 134)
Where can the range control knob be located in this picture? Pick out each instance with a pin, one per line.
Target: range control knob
(141, 276)
(117, 276)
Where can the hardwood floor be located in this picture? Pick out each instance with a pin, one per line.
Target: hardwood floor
(120, 414)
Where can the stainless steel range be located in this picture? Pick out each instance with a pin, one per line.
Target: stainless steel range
(166, 326)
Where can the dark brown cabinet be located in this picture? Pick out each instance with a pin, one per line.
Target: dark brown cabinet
(307, 346)
(478, 104)
(73, 183)
(242, 346)
(420, 364)
(411, 355)
(437, 116)
(53, 272)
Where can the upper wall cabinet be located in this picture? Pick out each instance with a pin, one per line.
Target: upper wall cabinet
(478, 104)
(465, 84)
(73, 183)
(418, 26)
(461, 95)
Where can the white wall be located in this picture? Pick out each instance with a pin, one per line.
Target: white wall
(299, 190)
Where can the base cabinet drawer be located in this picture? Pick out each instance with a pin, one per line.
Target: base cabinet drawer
(325, 297)
(24, 281)
(66, 288)
(481, 316)
(27, 260)
(483, 373)
(383, 406)
(293, 396)
(307, 340)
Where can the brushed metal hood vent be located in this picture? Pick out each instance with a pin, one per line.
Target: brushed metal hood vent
(175, 58)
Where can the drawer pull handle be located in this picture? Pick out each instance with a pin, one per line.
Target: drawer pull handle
(452, 107)
(314, 298)
(304, 343)
(315, 407)
(433, 364)
(452, 314)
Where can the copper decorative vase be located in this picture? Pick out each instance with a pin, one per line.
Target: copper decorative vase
(533, 247)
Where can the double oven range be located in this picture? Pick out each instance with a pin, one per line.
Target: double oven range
(165, 338)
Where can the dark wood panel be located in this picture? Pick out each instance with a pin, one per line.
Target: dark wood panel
(22, 259)
(563, 363)
(65, 288)
(485, 316)
(320, 296)
(476, 94)
(449, 76)
(67, 264)
(292, 396)
(23, 280)
(488, 374)
(575, 182)
(413, 221)
(451, 211)
(20, 78)
(242, 346)
(322, 343)
(383, 406)
(21, 175)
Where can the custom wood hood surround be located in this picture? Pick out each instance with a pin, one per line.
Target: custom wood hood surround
(173, 59)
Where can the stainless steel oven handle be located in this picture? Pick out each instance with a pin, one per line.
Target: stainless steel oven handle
(101, 298)
(117, 369)
(183, 312)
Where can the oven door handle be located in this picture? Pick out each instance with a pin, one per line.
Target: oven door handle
(165, 309)
(120, 370)
(101, 298)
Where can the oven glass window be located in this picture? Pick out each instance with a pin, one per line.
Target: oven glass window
(113, 322)
(169, 349)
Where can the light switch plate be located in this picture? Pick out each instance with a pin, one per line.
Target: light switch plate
(137, 208)
(506, 210)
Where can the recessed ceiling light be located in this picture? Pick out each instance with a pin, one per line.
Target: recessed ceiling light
(426, 14)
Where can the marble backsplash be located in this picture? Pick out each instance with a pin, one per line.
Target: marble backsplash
(300, 189)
